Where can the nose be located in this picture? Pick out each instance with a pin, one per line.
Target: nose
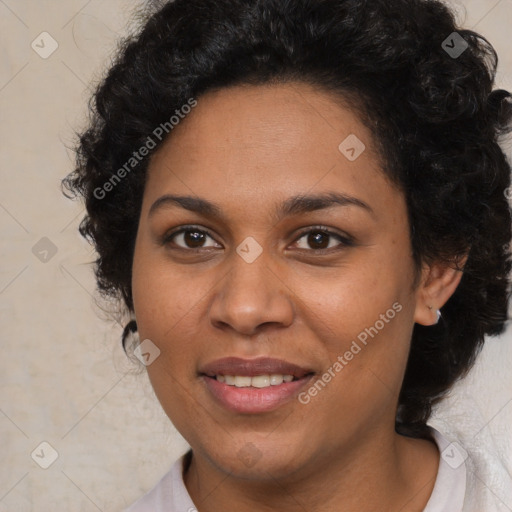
(251, 297)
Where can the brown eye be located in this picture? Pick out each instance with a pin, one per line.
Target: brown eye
(321, 240)
(318, 240)
(188, 238)
(194, 238)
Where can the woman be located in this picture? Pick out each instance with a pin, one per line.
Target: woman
(302, 206)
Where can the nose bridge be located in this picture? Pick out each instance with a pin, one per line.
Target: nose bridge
(250, 294)
(249, 269)
(248, 280)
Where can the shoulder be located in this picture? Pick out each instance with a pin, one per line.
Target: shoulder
(467, 480)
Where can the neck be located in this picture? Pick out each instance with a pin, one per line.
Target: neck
(388, 473)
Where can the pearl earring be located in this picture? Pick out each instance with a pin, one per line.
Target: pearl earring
(438, 312)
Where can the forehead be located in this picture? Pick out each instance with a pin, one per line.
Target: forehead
(248, 143)
(285, 118)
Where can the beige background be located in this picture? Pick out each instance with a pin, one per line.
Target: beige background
(64, 378)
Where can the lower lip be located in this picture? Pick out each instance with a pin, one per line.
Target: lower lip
(253, 400)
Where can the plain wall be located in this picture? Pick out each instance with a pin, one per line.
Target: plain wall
(65, 379)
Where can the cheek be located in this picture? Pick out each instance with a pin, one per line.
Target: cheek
(169, 305)
(164, 305)
(365, 352)
(162, 296)
(363, 317)
(352, 297)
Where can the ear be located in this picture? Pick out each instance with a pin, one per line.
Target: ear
(438, 283)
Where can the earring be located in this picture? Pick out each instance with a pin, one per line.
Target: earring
(438, 312)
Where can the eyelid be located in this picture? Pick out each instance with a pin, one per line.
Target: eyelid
(324, 229)
(344, 239)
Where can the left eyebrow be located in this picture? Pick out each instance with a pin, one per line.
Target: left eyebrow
(303, 204)
(295, 205)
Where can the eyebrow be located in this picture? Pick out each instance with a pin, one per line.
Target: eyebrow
(292, 206)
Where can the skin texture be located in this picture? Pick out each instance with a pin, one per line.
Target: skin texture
(248, 148)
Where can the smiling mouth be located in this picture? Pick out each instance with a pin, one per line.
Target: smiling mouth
(252, 386)
(256, 394)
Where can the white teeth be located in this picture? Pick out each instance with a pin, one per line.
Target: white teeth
(276, 379)
(259, 381)
(242, 381)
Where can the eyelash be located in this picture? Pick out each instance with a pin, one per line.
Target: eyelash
(345, 241)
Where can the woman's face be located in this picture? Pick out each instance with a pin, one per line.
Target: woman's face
(266, 273)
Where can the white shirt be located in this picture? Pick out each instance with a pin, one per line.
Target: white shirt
(453, 491)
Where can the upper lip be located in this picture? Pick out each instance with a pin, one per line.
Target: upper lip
(252, 367)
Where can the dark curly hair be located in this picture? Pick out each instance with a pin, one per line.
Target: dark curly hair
(434, 115)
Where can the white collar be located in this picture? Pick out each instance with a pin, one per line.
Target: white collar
(450, 486)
